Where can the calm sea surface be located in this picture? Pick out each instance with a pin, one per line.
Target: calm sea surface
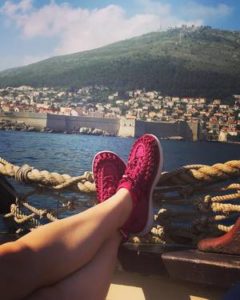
(72, 154)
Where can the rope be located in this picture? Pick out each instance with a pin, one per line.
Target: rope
(27, 174)
(191, 174)
(233, 186)
(18, 216)
(40, 212)
(202, 173)
(226, 197)
(224, 228)
(225, 208)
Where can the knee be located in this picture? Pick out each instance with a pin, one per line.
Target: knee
(9, 257)
(13, 255)
(13, 268)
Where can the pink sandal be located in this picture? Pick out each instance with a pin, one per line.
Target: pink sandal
(108, 169)
(140, 178)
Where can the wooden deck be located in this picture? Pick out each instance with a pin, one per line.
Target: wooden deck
(215, 269)
(212, 269)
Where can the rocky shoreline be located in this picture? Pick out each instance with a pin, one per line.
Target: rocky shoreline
(7, 125)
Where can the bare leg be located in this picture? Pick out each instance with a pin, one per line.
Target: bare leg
(54, 251)
(90, 282)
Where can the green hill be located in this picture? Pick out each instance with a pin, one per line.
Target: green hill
(188, 61)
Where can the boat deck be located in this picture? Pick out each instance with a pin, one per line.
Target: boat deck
(136, 286)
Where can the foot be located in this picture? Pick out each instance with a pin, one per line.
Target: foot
(107, 169)
(141, 176)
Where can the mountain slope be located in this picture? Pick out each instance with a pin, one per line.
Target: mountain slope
(187, 61)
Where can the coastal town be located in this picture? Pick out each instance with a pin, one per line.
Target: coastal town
(217, 120)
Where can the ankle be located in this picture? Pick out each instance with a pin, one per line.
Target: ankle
(124, 193)
(126, 199)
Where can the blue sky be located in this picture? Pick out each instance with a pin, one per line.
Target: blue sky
(32, 30)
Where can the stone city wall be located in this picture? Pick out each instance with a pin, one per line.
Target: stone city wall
(187, 130)
(36, 120)
(114, 126)
(60, 123)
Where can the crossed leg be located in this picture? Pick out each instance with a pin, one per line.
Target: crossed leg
(91, 282)
(63, 249)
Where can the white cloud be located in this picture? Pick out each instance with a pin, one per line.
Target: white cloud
(10, 8)
(78, 29)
